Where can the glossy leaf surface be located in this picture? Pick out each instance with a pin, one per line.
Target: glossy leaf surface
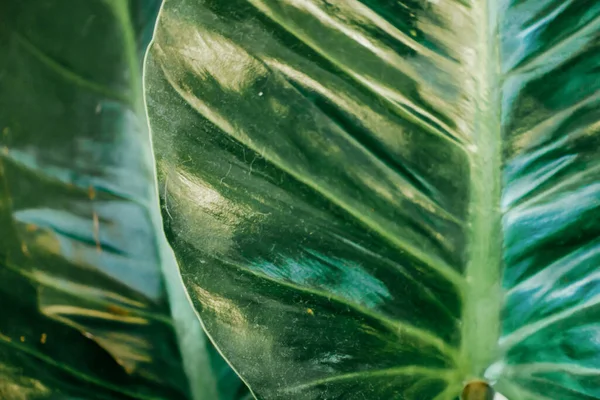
(85, 271)
(386, 199)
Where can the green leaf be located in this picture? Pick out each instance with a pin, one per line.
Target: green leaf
(88, 285)
(386, 200)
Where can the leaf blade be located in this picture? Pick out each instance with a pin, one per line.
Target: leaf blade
(358, 147)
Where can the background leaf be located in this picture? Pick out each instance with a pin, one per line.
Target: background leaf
(385, 200)
(88, 286)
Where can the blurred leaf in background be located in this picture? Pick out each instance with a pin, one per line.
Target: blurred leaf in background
(89, 290)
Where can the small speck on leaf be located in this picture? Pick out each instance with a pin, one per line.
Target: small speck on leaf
(116, 310)
(96, 223)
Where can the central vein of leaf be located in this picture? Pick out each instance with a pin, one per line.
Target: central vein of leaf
(482, 300)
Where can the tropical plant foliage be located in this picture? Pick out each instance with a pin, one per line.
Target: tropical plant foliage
(384, 200)
(366, 199)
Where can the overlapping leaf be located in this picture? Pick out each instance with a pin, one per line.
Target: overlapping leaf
(384, 200)
(88, 286)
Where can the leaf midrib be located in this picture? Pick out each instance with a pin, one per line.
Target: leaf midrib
(482, 296)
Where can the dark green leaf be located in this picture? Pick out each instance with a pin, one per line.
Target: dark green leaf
(386, 199)
(84, 267)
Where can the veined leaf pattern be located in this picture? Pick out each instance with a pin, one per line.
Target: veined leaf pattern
(385, 200)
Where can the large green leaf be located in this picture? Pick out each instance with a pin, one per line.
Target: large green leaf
(84, 266)
(386, 199)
